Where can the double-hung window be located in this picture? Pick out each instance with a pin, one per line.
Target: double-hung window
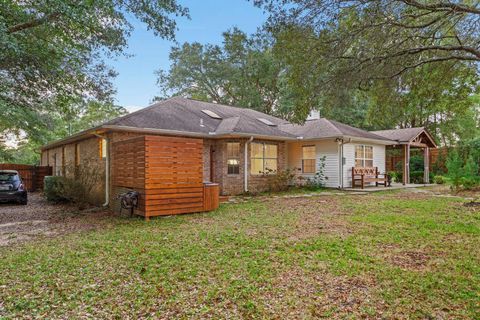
(233, 157)
(263, 158)
(308, 159)
(363, 156)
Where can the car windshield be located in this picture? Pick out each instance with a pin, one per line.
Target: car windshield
(8, 177)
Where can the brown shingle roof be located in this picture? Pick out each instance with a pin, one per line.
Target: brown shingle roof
(181, 114)
(401, 135)
(324, 128)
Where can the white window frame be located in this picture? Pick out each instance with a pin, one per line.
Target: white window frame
(363, 158)
(234, 157)
(264, 158)
(314, 159)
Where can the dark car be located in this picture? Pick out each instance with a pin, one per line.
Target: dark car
(11, 187)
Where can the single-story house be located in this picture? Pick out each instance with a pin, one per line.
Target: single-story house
(237, 146)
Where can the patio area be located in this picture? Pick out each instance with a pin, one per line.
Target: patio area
(394, 186)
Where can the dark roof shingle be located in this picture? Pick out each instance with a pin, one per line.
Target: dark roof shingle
(401, 135)
(181, 114)
(324, 128)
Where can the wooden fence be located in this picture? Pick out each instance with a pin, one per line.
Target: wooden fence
(32, 176)
(434, 153)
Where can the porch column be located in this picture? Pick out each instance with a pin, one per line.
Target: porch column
(406, 164)
(426, 165)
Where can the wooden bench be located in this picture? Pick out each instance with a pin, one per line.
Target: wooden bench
(368, 175)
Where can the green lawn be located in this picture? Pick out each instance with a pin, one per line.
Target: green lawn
(391, 255)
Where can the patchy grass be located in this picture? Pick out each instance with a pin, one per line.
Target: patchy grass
(390, 255)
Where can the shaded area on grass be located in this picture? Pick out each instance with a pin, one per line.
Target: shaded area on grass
(376, 255)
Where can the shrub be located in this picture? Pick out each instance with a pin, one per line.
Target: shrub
(468, 183)
(279, 180)
(53, 188)
(417, 177)
(416, 163)
(455, 169)
(77, 187)
(395, 176)
(318, 180)
(470, 177)
(439, 179)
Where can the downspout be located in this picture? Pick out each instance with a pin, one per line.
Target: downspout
(245, 171)
(107, 170)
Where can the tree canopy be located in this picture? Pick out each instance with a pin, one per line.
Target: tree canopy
(52, 53)
(243, 71)
(385, 37)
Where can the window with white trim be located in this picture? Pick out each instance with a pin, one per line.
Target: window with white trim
(263, 157)
(233, 157)
(308, 159)
(363, 156)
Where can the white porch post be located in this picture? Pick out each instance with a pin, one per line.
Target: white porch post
(426, 165)
(406, 164)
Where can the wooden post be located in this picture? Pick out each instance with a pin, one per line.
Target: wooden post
(406, 164)
(426, 165)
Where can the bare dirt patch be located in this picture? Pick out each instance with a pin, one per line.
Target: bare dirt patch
(298, 294)
(410, 260)
(19, 223)
(316, 215)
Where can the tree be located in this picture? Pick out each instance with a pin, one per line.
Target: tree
(374, 58)
(438, 97)
(386, 37)
(70, 118)
(243, 71)
(52, 52)
(454, 166)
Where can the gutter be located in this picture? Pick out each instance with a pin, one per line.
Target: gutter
(107, 170)
(245, 171)
(211, 135)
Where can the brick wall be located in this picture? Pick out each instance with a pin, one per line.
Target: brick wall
(232, 184)
(89, 157)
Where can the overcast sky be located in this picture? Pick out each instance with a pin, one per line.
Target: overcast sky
(135, 83)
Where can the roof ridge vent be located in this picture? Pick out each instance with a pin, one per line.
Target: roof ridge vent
(211, 114)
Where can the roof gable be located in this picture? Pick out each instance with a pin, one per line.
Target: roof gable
(417, 135)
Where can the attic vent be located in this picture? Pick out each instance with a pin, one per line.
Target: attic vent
(211, 114)
(267, 122)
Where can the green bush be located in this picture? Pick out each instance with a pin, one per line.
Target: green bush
(417, 177)
(455, 170)
(53, 188)
(416, 163)
(77, 187)
(279, 181)
(439, 179)
(468, 183)
(395, 176)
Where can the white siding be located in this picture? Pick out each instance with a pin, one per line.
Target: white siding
(349, 154)
(327, 148)
(330, 149)
(379, 157)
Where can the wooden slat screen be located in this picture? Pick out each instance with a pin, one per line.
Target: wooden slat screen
(167, 171)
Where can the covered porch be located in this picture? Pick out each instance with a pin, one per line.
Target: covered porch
(408, 139)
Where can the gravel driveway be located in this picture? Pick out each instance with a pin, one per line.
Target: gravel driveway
(19, 223)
